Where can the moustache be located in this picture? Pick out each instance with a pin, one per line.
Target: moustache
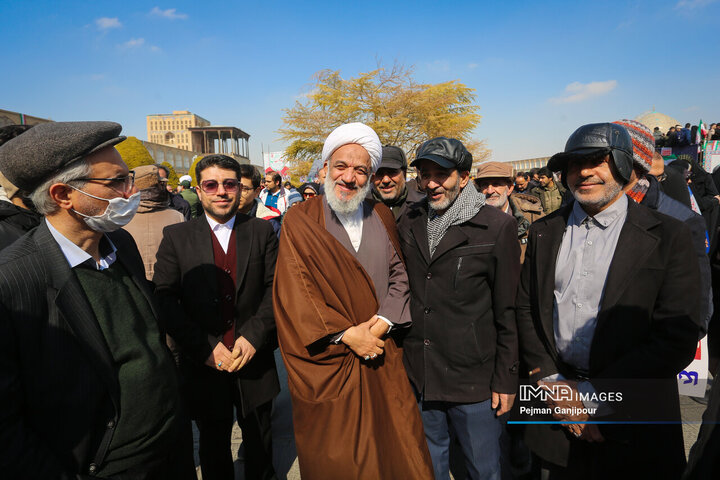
(588, 181)
(352, 186)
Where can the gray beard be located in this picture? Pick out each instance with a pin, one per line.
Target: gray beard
(445, 202)
(609, 195)
(344, 207)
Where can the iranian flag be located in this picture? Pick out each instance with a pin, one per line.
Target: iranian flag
(702, 132)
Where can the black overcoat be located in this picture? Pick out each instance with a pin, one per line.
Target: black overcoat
(646, 333)
(59, 391)
(187, 290)
(463, 341)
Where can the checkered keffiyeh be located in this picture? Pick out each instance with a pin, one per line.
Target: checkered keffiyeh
(465, 207)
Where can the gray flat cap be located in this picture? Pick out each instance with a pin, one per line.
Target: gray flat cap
(29, 159)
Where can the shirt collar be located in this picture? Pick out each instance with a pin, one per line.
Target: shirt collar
(604, 218)
(76, 255)
(215, 226)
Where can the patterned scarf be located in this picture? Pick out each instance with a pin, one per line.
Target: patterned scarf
(638, 192)
(466, 206)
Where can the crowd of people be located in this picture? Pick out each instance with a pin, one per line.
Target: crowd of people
(412, 316)
(679, 136)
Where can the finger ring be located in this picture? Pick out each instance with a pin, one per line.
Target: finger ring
(577, 435)
(373, 355)
(219, 364)
(367, 357)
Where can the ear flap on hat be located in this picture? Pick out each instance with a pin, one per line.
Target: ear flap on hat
(623, 163)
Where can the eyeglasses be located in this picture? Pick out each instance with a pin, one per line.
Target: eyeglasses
(230, 185)
(120, 184)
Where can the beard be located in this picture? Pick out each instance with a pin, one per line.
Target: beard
(496, 200)
(449, 196)
(600, 199)
(338, 203)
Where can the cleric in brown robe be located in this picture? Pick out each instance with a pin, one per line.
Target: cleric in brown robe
(340, 292)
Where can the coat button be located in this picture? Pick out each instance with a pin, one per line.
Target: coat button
(427, 310)
(428, 276)
(426, 342)
(111, 424)
(228, 297)
(92, 469)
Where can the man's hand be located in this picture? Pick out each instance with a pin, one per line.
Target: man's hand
(242, 353)
(503, 402)
(579, 430)
(362, 341)
(220, 358)
(380, 327)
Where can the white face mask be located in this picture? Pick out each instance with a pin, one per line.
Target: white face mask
(117, 214)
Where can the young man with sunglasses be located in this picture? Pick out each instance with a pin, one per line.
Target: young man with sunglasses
(214, 277)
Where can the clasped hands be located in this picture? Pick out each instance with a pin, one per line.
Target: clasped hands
(225, 360)
(365, 339)
(588, 432)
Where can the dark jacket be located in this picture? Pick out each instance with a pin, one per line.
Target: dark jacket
(177, 202)
(59, 386)
(186, 287)
(15, 222)
(675, 186)
(411, 196)
(657, 200)
(646, 332)
(526, 209)
(463, 342)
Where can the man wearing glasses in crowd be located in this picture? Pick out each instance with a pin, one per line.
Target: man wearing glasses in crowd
(250, 204)
(87, 384)
(213, 278)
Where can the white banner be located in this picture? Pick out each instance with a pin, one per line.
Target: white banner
(693, 379)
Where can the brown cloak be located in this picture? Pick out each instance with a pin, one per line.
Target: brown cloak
(352, 419)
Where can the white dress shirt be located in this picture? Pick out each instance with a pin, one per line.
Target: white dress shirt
(76, 255)
(353, 224)
(222, 231)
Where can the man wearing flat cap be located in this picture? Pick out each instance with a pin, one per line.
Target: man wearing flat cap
(389, 186)
(461, 354)
(495, 181)
(87, 384)
(608, 314)
(341, 294)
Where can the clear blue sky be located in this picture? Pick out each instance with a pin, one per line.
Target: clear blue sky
(540, 68)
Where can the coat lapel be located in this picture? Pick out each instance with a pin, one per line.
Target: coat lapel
(202, 249)
(137, 273)
(419, 231)
(243, 246)
(71, 301)
(547, 245)
(634, 246)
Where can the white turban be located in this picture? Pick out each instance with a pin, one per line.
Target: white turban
(354, 133)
